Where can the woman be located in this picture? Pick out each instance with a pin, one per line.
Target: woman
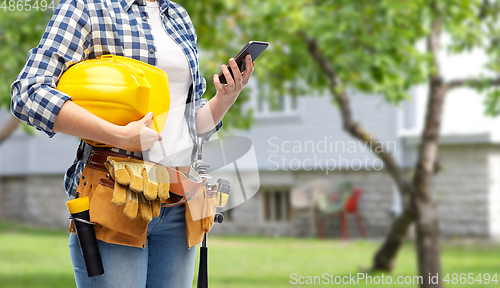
(158, 33)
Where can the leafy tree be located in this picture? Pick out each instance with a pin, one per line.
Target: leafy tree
(320, 45)
(19, 32)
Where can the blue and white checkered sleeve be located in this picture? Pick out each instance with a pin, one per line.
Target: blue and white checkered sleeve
(35, 100)
(200, 102)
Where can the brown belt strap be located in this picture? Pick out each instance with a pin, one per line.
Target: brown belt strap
(185, 187)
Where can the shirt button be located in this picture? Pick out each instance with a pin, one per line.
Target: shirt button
(151, 50)
(145, 18)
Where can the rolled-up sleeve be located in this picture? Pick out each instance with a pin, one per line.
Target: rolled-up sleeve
(66, 41)
(200, 103)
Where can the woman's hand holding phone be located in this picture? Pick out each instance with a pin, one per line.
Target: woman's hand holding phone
(228, 93)
(212, 113)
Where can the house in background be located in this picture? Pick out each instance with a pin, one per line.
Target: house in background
(302, 141)
(31, 177)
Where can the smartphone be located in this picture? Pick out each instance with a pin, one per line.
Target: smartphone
(254, 48)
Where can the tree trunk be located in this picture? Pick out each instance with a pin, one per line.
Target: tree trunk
(428, 251)
(429, 260)
(385, 256)
(8, 128)
(424, 207)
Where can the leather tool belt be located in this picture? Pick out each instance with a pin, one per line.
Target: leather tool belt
(184, 180)
(111, 226)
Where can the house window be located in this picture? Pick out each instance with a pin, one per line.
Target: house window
(277, 205)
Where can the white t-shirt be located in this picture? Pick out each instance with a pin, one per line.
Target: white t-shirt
(177, 143)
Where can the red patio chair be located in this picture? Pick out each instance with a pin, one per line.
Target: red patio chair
(350, 207)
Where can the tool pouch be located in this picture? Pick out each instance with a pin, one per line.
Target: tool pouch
(201, 210)
(111, 226)
(111, 216)
(209, 203)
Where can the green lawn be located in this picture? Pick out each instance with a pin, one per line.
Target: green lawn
(32, 258)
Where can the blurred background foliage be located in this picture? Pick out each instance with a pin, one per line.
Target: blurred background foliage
(372, 45)
(19, 32)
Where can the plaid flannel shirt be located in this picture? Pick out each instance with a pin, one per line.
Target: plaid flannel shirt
(86, 29)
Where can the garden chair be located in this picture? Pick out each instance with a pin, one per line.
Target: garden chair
(342, 203)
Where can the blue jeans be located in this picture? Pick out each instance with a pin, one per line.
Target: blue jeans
(164, 262)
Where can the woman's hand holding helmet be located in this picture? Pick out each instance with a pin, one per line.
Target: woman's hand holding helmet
(136, 136)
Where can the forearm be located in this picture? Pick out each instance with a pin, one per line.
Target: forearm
(211, 114)
(76, 121)
(135, 136)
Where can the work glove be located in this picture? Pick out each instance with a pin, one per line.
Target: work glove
(131, 204)
(139, 185)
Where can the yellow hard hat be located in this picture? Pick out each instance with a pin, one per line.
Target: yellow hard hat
(119, 90)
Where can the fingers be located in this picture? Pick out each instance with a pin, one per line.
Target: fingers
(235, 83)
(147, 118)
(141, 136)
(136, 183)
(145, 208)
(156, 208)
(163, 180)
(122, 176)
(227, 74)
(236, 72)
(249, 69)
(217, 83)
(131, 205)
(239, 79)
(119, 195)
(150, 189)
(148, 138)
